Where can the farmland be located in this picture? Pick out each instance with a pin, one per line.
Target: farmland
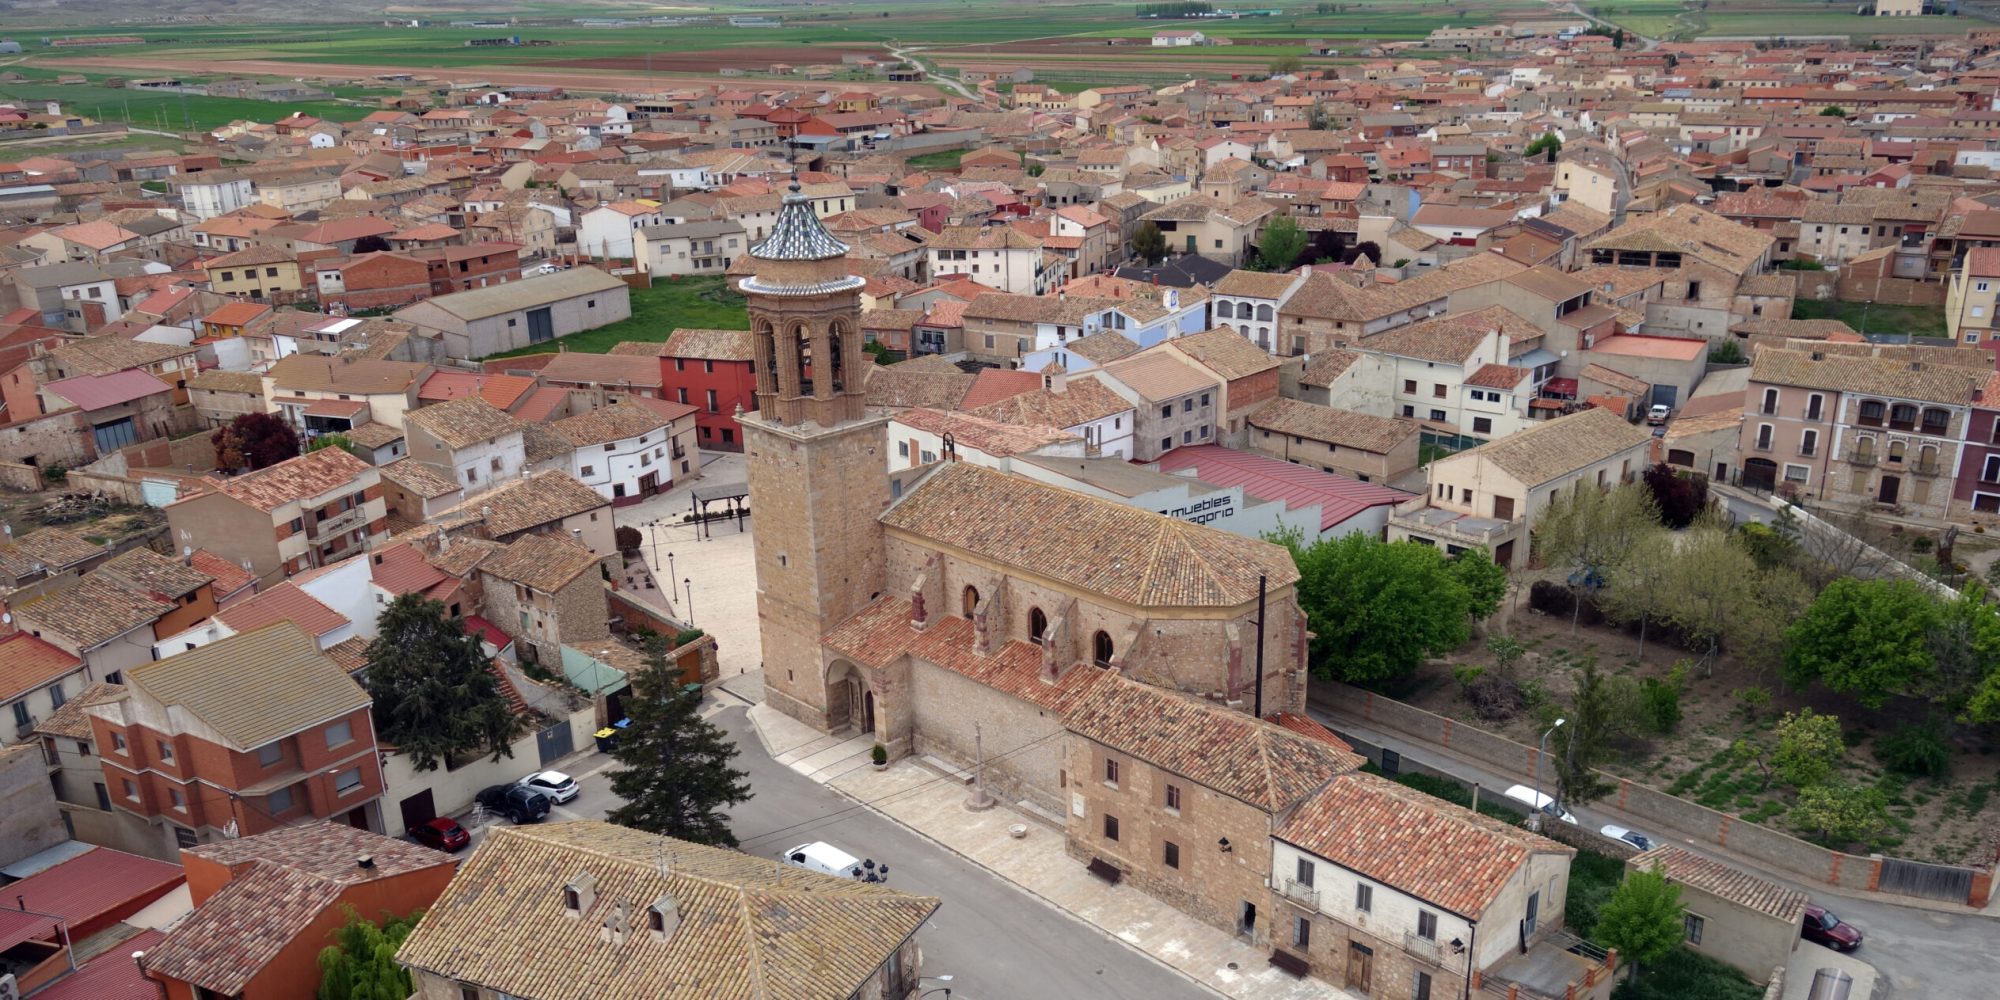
(149, 109)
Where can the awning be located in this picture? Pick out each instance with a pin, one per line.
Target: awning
(344, 408)
(1546, 404)
(1565, 387)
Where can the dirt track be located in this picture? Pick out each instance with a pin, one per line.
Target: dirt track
(748, 57)
(570, 79)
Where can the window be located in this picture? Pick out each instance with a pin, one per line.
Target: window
(1170, 853)
(1038, 623)
(1808, 442)
(1166, 444)
(1110, 827)
(1364, 897)
(1111, 772)
(711, 401)
(1409, 411)
(1482, 425)
(1814, 403)
(131, 790)
(1422, 989)
(1173, 797)
(1437, 415)
(1305, 872)
(1410, 386)
(1903, 417)
(1763, 437)
(1871, 413)
(1204, 399)
(902, 449)
(166, 752)
(1101, 646)
(1427, 925)
(1187, 405)
(1302, 933)
(1437, 391)
(118, 742)
(1691, 928)
(103, 796)
(1167, 410)
(339, 733)
(177, 800)
(269, 754)
(1936, 421)
(1770, 401)
(347, 781)
(279, 801)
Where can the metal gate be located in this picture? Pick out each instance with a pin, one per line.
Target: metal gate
(1914, 878)
(555, 742)
(1392, 763)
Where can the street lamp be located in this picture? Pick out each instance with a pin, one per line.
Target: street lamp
(1535, 815)
(688, 582)
(946, 990)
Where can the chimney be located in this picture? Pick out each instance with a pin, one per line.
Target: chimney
(364, 861)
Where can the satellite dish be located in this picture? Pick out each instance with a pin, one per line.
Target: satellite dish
(7, 618)
(187, 550)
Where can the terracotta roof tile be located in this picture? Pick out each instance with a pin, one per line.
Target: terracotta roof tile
(149, 572)
(1558, 447)
(528, 503)
(285, 602)
(253, 687)
(881, 632)
(1344, 428)
(1266, 766)
(294, 479)
(1228, 354)
(93, 612)
(28, 663)
(543, 562)
(1418, 844)
(1722, 880)
(463, 422)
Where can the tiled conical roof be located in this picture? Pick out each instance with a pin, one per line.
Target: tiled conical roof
(798, 234)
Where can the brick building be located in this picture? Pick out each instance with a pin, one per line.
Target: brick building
(244, 734)
(309, 511)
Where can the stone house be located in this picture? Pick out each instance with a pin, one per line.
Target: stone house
(1248, 375)
(1360, 446)
(478, 443)
(544, 591)
(1175, 403)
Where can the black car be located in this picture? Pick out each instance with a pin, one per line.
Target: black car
(517, 803)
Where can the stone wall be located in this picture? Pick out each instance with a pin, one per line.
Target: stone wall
(1663, 813)
(61, 438)
(25, 478)
(29, 819)
(1023, 743)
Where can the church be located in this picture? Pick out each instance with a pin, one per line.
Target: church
(950, 604)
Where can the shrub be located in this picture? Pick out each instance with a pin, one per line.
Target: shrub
(1914, 750)
(685, 636)
(1660, 702)
(879, 754)
(1754, 699)
(1467, 676)
(628, 538)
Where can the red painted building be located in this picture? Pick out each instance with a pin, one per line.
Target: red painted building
(713, 371)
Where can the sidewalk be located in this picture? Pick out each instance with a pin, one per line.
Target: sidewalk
(933, 806)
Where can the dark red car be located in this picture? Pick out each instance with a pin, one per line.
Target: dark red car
(1822, 927)
(441, 833)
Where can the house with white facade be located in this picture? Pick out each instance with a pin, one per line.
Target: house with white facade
(1083, 407)
(1248, 302)
(999, 257)
(480, 444)
(631, 450)
(693, 247)
(611, 230)
(210, 193)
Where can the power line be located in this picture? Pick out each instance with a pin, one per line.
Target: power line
(901, 791)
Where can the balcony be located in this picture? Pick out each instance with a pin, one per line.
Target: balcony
(22, 729)
(340, 523)
(1422, 947)
(1299, 892)
(1862, 458)
(1925, 468)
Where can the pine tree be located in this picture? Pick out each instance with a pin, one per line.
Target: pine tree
(674, 776)
(436, 695)
(361, 963)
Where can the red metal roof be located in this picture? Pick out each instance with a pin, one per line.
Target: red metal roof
(96, 886)
(1559, 387)
(1270, 479)
(95, 392)
(475, 625)
(17, 926)
(110, 976)
(996, 384)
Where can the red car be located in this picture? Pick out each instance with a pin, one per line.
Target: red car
(1822, 927)
(442, 834)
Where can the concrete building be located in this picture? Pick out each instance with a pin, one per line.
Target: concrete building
(210, 193)
(309, 511)
(693, 247)
(1731, 915)
(479, 443)
(1972, 299)
(533, 310)
(632, 450)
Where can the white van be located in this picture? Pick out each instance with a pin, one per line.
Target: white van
(1536, 800)
(820, 856)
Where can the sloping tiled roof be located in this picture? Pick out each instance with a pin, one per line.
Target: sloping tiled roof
(537, 500)
(897, 386)
(348, 373)
(543, 562)
(229, 577)
(95, 392)
(55, 548)
(1418, 844)
(1080, 402)
(1125, 554)
(980, 434)
(149, 572)
(1345, 428)
(608, 424)
(286, 602)
(309, 475)
(93, 612)
(462, 422)
(1228, 354)
(1894, 377)
(1243, 757)
(749, 927)
(27, 663)
(254, 687)
(710, 345)
(881, 632)
(1553, 449)
(71, 720)
(422, 478)
(1723, 881)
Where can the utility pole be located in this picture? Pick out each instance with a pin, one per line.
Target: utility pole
(978, 801)
(1260, 646)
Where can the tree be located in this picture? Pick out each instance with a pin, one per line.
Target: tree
(1726, 352)
(361, 963)
(1833, 111)
(1618, 38)
(1506, 652)
(1485, 581)
(674, 772)
(436, 694)
(1714, 593)
(1601, 711)
(370, 244)
(1865, 638)
(1965, 657)
(1377, 608)
(253, 441)
(1680, 496)
(1366, 248)
(1841, 814)
(1547, 145)
(1809, 745)
(1149, 243)
(1638, 582)
(341, 441)
(1281, 244)
(1286, 64)
(1642, 919)
(1586, 531)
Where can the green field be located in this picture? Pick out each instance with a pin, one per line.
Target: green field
(1917, 321)
(167, 111)
(697, 303)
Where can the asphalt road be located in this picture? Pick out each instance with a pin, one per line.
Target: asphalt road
(1919, 953)
(993, 939)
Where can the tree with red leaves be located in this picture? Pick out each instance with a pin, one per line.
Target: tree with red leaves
(253, 441)
(1680, 495)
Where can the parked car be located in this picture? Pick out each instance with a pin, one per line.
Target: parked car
(1638, 840)
(1659, 413)
(441, 834)
(518, 803)
(820, 856)
(1536, 800)
(1822, 927)
(554, 784)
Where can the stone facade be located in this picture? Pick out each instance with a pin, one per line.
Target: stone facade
(578, 613)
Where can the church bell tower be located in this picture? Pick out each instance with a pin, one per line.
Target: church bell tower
(817, 460)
